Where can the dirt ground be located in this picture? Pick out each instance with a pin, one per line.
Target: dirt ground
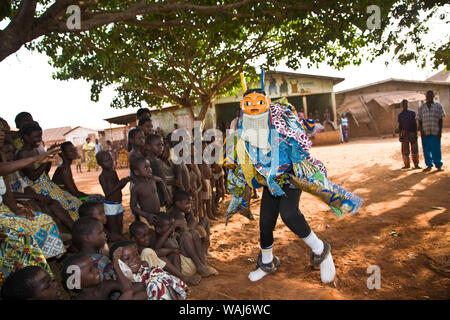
(403, 228)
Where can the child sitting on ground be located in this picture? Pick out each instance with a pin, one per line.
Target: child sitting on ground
(154, 148)
(165, 258)
(182, 211)
(96, 210)
(112, 188)
(144, 197)
(189, 244)
(30, 283)
(90, 285)
(89, 238)
(159, 284)
(63, 174)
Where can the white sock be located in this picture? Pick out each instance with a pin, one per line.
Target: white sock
(327, 270)
(257, 274)
(314, 243)
(267, 255)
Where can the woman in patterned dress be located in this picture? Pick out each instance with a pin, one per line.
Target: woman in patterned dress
(26, 237)
(36, 175)
(89, 151)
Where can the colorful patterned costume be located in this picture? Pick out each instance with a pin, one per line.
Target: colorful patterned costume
(287, 162)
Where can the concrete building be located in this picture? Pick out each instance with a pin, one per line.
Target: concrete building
(79, 134)
(308, 93)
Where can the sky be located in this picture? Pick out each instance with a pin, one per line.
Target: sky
(26, 84)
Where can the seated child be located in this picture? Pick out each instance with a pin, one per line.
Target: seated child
(144, 196)
(96, 210)
(112, 188)
(154, 148)
(182, 211)
(170, 260)
(159, 284)
(89, 238)
(30, 283)
(63, 174)
(89, 286)
(188, 243)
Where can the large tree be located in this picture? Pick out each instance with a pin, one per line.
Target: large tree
(31, 19)
(192, 62)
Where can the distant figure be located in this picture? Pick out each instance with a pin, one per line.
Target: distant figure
(89, 154)
(234, 122)
(344, 126)
(273, 87)
(98, 146)
(430, 117)
(301, 114)
(112, 152)
(78, 162)
(327, 119)
(407, 128)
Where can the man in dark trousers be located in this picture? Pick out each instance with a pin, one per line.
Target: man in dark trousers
(407, 129)
(430, 117)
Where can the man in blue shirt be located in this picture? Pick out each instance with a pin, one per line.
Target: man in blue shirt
(407, 129)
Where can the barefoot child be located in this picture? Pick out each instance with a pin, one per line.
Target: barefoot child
(89, 238)
(196, 184)
(112, 188)
(96, 210)
(189, 246)
(165, 258)
(144, 196)
(207, 188)
(63, 175)
(154, 148)
(30, 283)
(91, 287)
(136, 141)
(182, 211)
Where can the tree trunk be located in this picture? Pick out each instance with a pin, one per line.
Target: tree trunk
(206, 103)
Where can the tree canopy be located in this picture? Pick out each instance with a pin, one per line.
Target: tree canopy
(188, 53)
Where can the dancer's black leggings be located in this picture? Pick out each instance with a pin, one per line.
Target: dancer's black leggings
(290, 214)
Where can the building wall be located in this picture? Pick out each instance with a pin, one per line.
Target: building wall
(442, 93)
(79, 135)
(115, 134)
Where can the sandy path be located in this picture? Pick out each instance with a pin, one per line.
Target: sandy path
(414, 264)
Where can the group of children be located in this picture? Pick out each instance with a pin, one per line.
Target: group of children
(167, 244)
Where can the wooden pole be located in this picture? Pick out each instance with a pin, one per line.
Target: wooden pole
(305, 106)
(370, 115)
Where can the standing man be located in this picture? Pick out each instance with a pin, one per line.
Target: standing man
(407, 128)
(430, 117)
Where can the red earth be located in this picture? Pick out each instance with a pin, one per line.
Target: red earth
(403, 228)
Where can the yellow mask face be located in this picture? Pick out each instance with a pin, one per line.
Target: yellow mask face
(255, 103)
